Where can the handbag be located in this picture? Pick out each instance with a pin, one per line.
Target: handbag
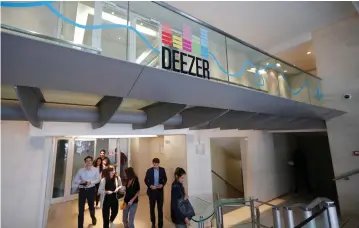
(123, 205)
(186, 207)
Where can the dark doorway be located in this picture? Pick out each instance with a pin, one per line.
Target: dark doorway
(319, 166)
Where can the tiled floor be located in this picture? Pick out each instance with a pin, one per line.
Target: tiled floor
(64, 215)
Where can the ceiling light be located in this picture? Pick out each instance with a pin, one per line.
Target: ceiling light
(278, 64)
(113, 13)
(119, 38)
(262, 71)
(308, 53)
(285, 71)
(267, 63)
(141, 23)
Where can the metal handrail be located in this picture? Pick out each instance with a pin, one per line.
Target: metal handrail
(346, 176)
(226, 182)
(198, 21)
(316, 202)
(49, 38)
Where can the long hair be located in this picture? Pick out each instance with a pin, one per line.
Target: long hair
(106, 173)
(107, 161)
(130, 174)
(100, 167)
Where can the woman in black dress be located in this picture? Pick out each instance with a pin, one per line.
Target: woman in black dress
(131, 198)
(109, 186)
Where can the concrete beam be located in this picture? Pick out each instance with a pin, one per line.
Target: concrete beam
(30, 99)
(106, 107)
(158, 113)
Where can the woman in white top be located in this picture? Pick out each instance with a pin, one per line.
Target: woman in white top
(98, 164)
(109, 186)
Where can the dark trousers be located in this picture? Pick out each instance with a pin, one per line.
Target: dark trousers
(97, 196)
(156, 196)
(110, 202)
(89, 195)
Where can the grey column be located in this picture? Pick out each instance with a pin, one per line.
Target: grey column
(277, 220)
(332, 214)
(289, 219)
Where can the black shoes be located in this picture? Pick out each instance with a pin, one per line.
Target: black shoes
(94, 221)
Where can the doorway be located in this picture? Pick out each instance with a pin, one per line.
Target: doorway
(68, 158)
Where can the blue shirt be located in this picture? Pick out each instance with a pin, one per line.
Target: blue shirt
(156, 176)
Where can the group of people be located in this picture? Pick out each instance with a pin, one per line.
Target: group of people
(98, 181)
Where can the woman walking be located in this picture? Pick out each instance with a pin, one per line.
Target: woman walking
(109, 186)
(131, 198)
(98, 164)
(178, 193)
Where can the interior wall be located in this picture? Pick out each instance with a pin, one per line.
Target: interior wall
(265, 168)
(229, 169)
(337, 49)
(24, 163)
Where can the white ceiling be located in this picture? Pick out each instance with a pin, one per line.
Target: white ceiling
(268, 25)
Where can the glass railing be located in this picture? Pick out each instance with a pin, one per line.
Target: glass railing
(156, 35)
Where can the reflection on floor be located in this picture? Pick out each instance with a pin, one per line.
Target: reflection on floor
(64, 215)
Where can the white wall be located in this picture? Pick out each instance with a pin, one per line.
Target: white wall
(337, 55)
(229, 169)
(24, 166)
(262, 173)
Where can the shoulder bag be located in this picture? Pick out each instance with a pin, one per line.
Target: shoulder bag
(185, 207)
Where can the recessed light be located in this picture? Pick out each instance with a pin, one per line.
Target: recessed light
(113, 13)
(278, 64)
(285, 71)
(267, 63)
(308, 53)
(141, 23)
(119, 38)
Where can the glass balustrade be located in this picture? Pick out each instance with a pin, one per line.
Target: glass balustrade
(154, 35)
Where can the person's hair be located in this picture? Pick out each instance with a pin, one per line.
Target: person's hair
(88, 158)
(107, 161)
(156, 160)
(107, 171)
(103, 151)
(130, 173)
(179, 172)
(95, 164)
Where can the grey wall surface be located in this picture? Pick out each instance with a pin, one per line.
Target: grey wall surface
(337, 56)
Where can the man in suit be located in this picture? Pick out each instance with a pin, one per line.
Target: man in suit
(155, 180)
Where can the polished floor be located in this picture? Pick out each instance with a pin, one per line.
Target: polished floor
(65, 215)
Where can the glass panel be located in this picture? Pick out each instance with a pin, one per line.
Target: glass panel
(36, 19)
(82, 149)
(315, 90)
(82, 13)
(114, 37)
(244, 66)
(145, 55)
(204, 210)
(60, 168)
(181, 35)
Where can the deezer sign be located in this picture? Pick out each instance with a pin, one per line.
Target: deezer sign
(184, 63)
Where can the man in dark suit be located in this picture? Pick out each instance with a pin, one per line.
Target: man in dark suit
(155, 180)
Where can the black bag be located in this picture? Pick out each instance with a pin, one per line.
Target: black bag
(186, 208)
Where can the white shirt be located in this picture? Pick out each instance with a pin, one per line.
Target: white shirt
(85, 174)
